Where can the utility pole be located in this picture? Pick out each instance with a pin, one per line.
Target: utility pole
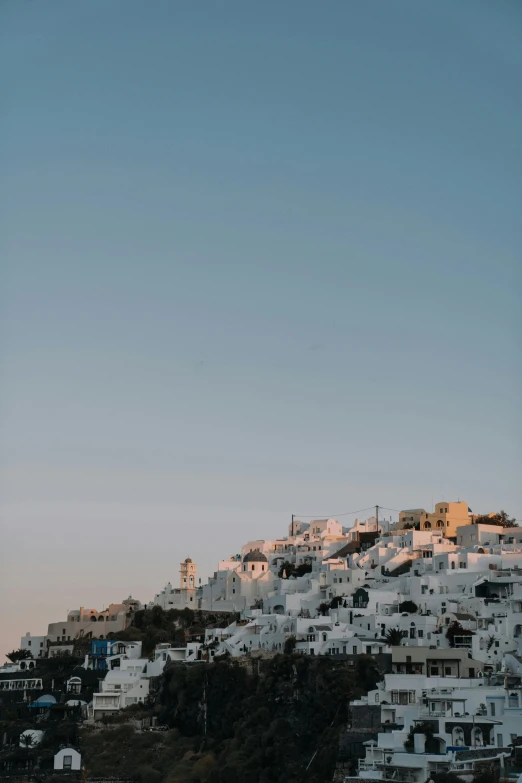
(293, 525)
(377, 516)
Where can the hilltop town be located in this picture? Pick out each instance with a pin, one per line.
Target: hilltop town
(417, 625)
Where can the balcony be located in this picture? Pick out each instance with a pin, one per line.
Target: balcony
(425, 712)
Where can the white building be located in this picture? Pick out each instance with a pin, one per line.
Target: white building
(36, 645)
(68, 759)
(184, 596)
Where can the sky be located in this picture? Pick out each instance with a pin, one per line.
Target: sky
(256, 259)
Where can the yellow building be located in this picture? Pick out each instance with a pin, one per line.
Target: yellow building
(411, 516)
(447, 518)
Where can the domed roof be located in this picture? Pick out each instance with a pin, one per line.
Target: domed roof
(188, 560)
(255, 557)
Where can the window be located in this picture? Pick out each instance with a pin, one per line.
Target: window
(377, 701)
(408, 659)
(447, 671)
(67, 762)
(462, 564)
(29, 643)
(453, 565)
(434, 671)
(368, 649)
(492, 709)
(411, 698)
(354, 650)
(420, 633)
(262, 568)
(233, 589)
(500, 741)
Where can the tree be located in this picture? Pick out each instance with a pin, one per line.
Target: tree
(323, 608)
(367, 673)
(393, 637)
(502, 519)
(18, 655)
(290, 644)
(456, 629)
(27, 740)
(302, 569)
(408, 606)
(490, 642)
(446, 777)
(287, 568)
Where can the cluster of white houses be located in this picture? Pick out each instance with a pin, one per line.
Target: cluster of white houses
(436, 596)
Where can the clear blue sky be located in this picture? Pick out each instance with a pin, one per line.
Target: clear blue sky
(257, 258)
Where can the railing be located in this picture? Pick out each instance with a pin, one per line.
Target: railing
(426, 713)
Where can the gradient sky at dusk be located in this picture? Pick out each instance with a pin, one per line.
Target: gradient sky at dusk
(256, 258)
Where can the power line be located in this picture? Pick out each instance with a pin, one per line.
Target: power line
(332, 516)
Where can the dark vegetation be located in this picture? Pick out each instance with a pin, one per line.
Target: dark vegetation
(290, 569)
(456, 629)
(408, 606)
(502, 519)
(426, 728)
(18, 655)
(229, 722)
(394, 637)
(260, 719)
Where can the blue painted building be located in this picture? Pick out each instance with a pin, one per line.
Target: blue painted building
(101, 649)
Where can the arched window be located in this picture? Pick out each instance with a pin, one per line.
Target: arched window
(93, 619)
(440, 523)
(453, 565)
(477, 738)
(427, 526)
(457, 736)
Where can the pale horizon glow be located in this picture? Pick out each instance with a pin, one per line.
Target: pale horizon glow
(256, 259)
